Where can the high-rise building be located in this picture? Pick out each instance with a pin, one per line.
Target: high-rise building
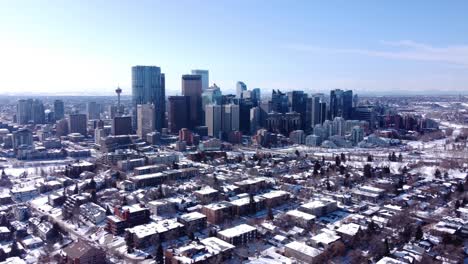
(146, 119)
(297, 101)
(230, 118)
(93, 110)
(366, 113)
(59, 109)
(24, 111)
(265, 108)
(186, 135)
(355, 100)
(205, 77)
(255, 117)
(212, 95)
(100, 134)
(192, 87)
(121, 125)
(62, 127)
(213, 120)
(279, 102)
(244, 114)
(240, 88)
(148, 87)
(283, 123)
(179, 107)
(22, 137)
(341, 104)
(323, 112)
(256, 96)
(30, 111)
(315, 111)
(38, 112)
(77, 123)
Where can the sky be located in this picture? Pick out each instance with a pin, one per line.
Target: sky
(88, 47)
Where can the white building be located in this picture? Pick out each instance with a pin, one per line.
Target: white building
(22, 194)
(93, 212)
(230, 118)
(238, 235)
(213, 120)
(146, 119)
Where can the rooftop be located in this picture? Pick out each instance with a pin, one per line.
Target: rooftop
(237, 230)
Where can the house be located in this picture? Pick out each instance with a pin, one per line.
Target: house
(349, 232)
(83, 253)
(302, 252)
(388, 260)
(32, 242)
(238, 235)
(209, 250)
(5, 233)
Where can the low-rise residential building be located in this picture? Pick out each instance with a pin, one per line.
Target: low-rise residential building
(93, 212)
(302, 252)
(275, 198)
(194, 221)
(23, 194)
(208, 250)
(155, 232)
(162, 207)
(324, 239)
(247, 205)
(238, 235)
(300, 218)
(83, 252)
(217, 213)
(207, 195)
(319, 207)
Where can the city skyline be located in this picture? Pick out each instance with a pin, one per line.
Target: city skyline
(386, 48)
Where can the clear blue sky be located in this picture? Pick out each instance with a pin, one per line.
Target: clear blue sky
(88, 47)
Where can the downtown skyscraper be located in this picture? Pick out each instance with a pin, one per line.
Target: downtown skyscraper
(192, 87)
(205, 77)
(59, 109)
(148, 87)
(341, 104)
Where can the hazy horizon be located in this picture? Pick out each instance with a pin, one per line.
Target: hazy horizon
(89, 47)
